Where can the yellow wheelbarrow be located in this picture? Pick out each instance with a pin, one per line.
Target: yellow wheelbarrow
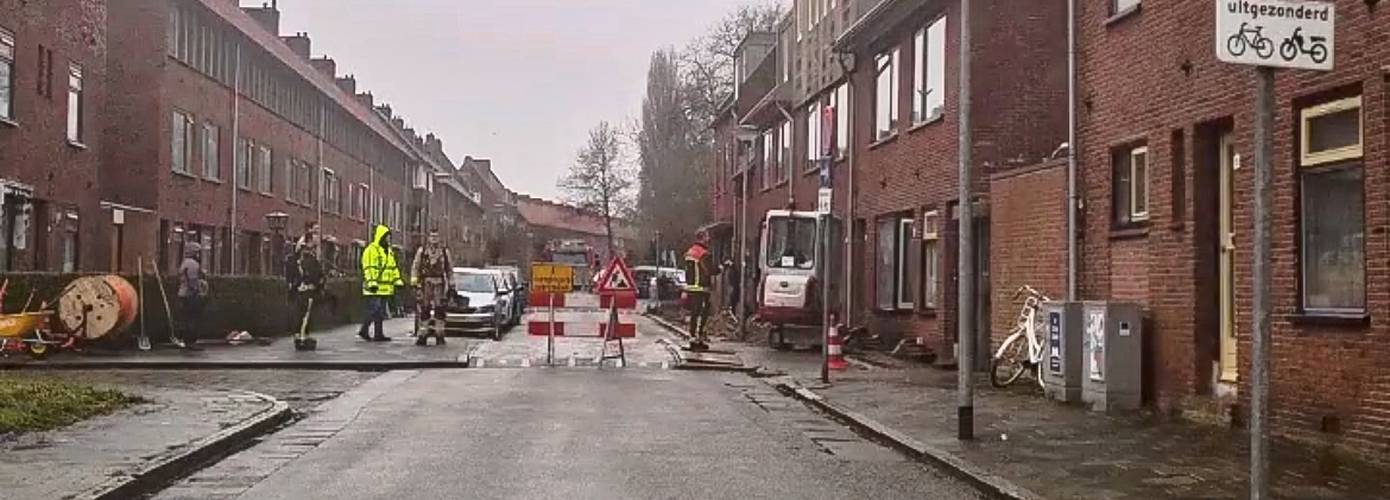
(28, 332)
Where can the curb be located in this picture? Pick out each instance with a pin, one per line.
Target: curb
(978, 477)
(360, 366)
(165, 470)
(680, 332)
(686, 365)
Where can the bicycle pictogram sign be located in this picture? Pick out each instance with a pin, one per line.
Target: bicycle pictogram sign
(1249, 31)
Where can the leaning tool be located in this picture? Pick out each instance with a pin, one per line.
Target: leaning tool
(302, 340)
(168, 312)
(143, 341)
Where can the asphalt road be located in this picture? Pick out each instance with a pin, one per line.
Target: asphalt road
(566, 433)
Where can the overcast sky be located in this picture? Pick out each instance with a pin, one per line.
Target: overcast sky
(517, 81)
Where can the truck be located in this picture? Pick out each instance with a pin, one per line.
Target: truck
(578, 254)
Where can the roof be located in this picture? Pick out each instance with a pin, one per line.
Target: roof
(545, 213)
(270, 42)
(869, 28)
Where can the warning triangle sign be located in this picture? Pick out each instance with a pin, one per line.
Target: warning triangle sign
(617, 278)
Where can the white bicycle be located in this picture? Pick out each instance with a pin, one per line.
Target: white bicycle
(1025, 346)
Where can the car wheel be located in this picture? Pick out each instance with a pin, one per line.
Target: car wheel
(497, 331)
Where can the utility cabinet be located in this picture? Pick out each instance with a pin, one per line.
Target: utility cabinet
(1112, 356)
(1061, 364)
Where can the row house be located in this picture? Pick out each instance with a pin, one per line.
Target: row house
(52, 86)
(230, 135)
(1167, 220)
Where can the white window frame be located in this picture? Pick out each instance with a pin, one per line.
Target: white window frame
(784, 154)
(7, 50)
(886, 116)
(1117, 7)
(1309, 158)
(931, 259)
(1138, 184)
(181, 142)
(211, 141)
(264, 169)
(842, 105)
(245, 153)
(928, 88)
(76, 124)
(812, 135)
(769, 167)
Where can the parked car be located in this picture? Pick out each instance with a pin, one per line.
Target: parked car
(508, 284)
(519, 285)
(480, 304)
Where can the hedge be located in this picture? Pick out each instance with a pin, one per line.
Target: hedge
(257, 304)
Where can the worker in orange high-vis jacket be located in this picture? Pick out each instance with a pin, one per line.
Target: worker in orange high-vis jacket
(699, 271)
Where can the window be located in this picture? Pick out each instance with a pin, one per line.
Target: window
(784, 155)
(359, 202)
(931, 259)
(897, 254)
(905, 288)
(1131, 185)
(886, 264)
(1122, 6)
(1333, 208)
(929, 81)
(212, 165)
(330, 192)
(1331, 132)
(791, 243)
(75, 121)
(181, 142)
(242, 164)
(6, 75)
(266, 169)
(842, 104)
(769, 168)
(886, 102)
(813, 119)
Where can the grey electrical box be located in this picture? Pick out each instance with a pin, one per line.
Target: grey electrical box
(1112, 356)
(1061, 364)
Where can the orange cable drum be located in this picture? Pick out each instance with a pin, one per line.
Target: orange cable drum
(110, 304)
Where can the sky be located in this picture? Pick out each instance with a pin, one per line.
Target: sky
(518, 81)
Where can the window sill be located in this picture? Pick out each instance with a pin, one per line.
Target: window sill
(929, 312)
(8, 122)
(245, 189)
(931, 121)
(1347, 320)
(1126, 14)
(77, 145)
(879, 143)
(1130, 232)
(267, 195)
(213, 180)
(185, 175)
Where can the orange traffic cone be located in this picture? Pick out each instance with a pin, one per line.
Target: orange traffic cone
(835, 349)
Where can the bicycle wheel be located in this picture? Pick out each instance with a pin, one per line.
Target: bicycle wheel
(1235, 45)
(1005, 368)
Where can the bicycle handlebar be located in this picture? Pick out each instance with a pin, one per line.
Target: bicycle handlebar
(1031, 292)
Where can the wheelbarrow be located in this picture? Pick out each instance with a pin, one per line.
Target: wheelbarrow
(29, 333)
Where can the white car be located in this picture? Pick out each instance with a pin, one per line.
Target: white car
(480, 303)
(511, 288)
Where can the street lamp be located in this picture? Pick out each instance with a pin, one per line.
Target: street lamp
(277, 221)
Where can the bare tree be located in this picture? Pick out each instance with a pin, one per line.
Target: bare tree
(601, 180)
(707, 63)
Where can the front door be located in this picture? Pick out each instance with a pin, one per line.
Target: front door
(1226, 259)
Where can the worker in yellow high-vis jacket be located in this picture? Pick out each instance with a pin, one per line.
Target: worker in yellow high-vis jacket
(380, 277)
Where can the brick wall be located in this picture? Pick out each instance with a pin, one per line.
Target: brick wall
(1028, 229)
(34, 149)
(1322, 373)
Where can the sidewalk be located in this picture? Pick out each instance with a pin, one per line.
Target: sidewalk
(127, 453)
(338, 348)
(1049, 450)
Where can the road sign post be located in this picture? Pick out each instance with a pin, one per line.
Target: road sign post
(1268, 34)
(551, 279)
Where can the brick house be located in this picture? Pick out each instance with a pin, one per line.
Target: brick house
(905, 139)
(1167, 222)
(223, 122)
(52, 89)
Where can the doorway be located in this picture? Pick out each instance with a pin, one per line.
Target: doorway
(1226, 276)
(1215, 245)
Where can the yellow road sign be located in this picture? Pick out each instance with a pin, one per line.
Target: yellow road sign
(552, 278)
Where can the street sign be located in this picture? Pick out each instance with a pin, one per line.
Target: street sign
(552, 278)
(617, 278)
(823, 198)
(1276, 33)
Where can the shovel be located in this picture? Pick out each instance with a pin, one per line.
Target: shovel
(143, 341)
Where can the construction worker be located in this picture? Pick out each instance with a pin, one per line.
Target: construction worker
(380, 277)
(699, 269)
(304, 272)
(429, 274)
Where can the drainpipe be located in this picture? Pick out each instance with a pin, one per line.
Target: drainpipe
(236, 149)
(322, 173)
(847, 312)
(1072, 195)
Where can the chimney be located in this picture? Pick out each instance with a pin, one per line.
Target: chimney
(398, 122)
(385, 109)
(325, 65)
(267, 15)
(298, 43)
(365, 98)
(348, 84)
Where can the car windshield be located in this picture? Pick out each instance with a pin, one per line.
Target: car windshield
(474, 283)
(791, 243)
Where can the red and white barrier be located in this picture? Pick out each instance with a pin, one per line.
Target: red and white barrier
(594, 329)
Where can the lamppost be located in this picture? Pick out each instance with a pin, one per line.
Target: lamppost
(277, 221)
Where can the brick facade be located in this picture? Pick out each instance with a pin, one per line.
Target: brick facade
(1326, 374)
(50, 198)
